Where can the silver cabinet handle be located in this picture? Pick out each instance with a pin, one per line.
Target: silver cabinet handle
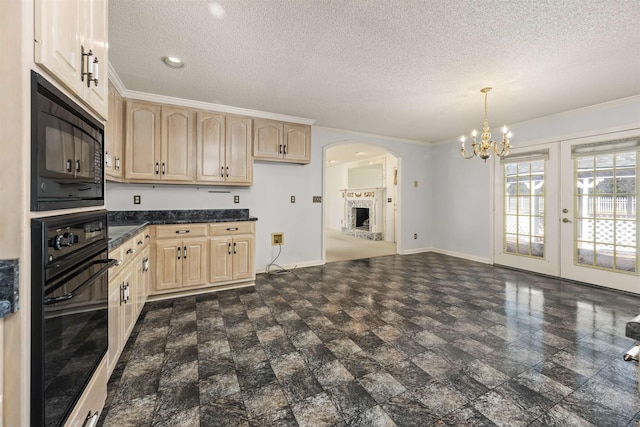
(184, 253)
(229, 248)
(157, 168)
(232, 229)
(179, 252)
(285, 149)
(140, 242)
(227, 171)
(162, 168)
(182, 231)
(77, 165)
(91, 420)
(147, 237)
(130, 251)
(280, 149)
(69, 165)
(234, 248)
(222, 171)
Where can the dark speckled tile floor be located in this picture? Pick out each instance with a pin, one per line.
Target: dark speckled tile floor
(410, 340)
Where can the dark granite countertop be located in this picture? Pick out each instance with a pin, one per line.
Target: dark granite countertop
(125, 224)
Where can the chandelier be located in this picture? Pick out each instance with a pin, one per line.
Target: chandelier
(486, 146)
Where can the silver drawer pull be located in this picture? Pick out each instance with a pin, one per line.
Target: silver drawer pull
(130, 251)
(182, 231)
(232, 229)
(91, 420)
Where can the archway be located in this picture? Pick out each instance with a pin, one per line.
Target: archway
(360, 201)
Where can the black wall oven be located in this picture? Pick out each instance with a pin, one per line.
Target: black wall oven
(69, 317)
(66, 151)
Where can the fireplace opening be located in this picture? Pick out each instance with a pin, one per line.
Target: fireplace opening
(362, 218)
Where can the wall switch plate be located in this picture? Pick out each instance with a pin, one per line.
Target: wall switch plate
(277, 239)
(415, 184)
(317, 199)
(136, 199)
(236, 199)
(293, 199)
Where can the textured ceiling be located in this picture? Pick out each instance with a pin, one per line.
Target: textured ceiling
(403, 68)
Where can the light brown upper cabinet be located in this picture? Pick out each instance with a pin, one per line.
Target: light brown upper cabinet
(63, 31)
(224, 149)
(113, 136)
(159, 143)
(282, 142)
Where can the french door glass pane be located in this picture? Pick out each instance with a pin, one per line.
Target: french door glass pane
(606, 217)
(524, 219)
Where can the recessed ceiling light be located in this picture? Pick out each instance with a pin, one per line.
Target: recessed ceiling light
(172, 61)
(216, 10)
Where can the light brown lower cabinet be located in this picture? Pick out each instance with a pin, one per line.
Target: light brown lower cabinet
(181, 263)
(231, 258)
(128, 291)
(87, 410)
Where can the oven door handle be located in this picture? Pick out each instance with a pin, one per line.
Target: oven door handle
(66, 297)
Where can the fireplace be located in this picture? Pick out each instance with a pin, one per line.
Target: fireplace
(363, 213)
(360, 217)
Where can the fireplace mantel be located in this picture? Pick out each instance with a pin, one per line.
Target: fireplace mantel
(364, 198)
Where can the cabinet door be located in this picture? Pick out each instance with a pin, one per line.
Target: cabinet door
(243, 257)
(96, 16)
(194, 262)
(220, 259)
(143, 141)
(142, 276)
(115, 321)
(211, 147)
(297, 142)
(168, 264)
(129, 306)
(109, 135)
(239, 164)
(177, 150)
(113, 136)
(268, 139)
(59, 34)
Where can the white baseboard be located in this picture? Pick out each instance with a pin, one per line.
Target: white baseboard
(461, 255)
(291, 266)
(415, 251)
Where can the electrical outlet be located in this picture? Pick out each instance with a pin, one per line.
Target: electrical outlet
(293, 199)
(389, 200)
(136, 199)
(415, 235)
(277, 239)
(317, 199)
(236, 199)
(415, 184)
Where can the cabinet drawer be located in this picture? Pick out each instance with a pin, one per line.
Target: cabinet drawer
(232, 228)
(116, 253)
(181, 231)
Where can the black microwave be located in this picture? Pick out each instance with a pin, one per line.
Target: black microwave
(66, 151)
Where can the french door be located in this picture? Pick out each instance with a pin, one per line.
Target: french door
(569, 209)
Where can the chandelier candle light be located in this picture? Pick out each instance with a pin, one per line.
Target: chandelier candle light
(487, 146)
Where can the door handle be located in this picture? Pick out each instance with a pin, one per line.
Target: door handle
(69, 165)
(157, 168)
(162, 168)
(280, 149)
(234, 247)
(227, 171)
(565, 210)
(285, 149)
(178, 252)
(565, 220)
(222, 171)
(229, 248)
(77, 165)
(184, 253)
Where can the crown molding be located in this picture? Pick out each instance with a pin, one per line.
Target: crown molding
(161, 99)
(595, 107)
(369, 136)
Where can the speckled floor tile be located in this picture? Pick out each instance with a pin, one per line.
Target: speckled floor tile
(412, 340)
